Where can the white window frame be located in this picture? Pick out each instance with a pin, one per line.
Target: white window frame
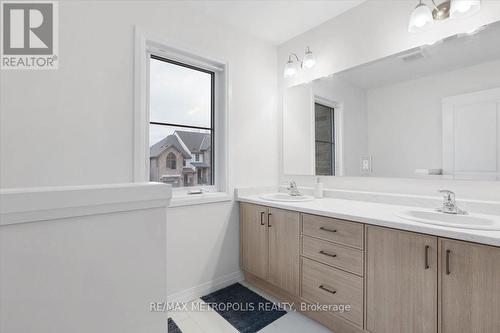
(145, 45)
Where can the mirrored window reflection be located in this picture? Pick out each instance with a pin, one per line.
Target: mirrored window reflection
(324, 140)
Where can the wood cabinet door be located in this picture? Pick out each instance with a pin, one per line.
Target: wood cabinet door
(470, 288)
(254, 240)
(284, 249)
(401, 281)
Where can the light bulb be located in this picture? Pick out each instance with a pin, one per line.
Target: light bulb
(464, 8)
(420, 19)
(309, 60)
(290, 69)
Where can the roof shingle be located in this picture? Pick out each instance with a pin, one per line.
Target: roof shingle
(196, 142)
(171, 140)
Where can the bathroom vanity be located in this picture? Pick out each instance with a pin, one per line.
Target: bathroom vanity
(397, 276)
(425, 116)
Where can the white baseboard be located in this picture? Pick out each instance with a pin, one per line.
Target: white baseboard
(205, 288)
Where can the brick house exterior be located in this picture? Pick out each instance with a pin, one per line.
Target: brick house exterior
(182, 159)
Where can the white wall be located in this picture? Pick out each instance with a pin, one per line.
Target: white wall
(376, 29)
(405, 119)
(203, 248)
(83, 259)
(353, 101)
(298, 131)
(74, 125)
(88, 274)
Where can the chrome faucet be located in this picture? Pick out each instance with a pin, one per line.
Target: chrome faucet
(293, 189)
(449, 204)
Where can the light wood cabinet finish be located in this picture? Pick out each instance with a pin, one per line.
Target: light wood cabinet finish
(401, 284)
(470, 288)
(255, 241)
(413, 283)
(335, 323)
(284, 249)
(339, 256)
(333, 230)
(326, 285)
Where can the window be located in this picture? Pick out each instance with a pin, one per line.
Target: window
(171, 161)
(180, 99)
(181, 111)
(325, 140)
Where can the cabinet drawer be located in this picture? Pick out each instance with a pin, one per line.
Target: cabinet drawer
(338, 231)
(332, 254)
(329, 286)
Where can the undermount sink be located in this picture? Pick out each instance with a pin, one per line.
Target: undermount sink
(472, 221)
(285, 197)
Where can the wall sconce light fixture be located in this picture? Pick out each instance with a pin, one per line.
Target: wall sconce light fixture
(292, 65)
(423, 17)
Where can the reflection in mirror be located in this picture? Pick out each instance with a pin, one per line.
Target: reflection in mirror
(324, 139)
(430, 112)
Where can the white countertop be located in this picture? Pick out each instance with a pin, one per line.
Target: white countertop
(376, 214)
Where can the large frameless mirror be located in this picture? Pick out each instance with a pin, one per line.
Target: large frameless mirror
(430, 112)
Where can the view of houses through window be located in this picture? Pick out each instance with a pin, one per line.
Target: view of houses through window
(181, 131)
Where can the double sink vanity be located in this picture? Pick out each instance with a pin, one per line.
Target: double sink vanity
(358, 266)
(399, 126)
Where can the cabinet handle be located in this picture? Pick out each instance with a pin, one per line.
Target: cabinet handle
(322, 287)
(269, 219)
(427, 247)
(448, 271)
(262, 218)
(327, 254)
(327, 229)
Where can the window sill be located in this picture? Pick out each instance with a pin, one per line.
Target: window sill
(198, 199)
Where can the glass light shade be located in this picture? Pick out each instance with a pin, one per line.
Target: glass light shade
(309, 60)
(420, 19)
(464, 8)
(290, 69)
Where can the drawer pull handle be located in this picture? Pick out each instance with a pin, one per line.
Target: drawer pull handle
(269, 219)
(262, 218)
(322, 287)
(427, 247)
(327, 254)
(327, 229)
(448, 271)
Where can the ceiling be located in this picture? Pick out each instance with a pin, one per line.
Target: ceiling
(275, 21)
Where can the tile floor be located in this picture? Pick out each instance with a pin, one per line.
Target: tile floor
(212, 322)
